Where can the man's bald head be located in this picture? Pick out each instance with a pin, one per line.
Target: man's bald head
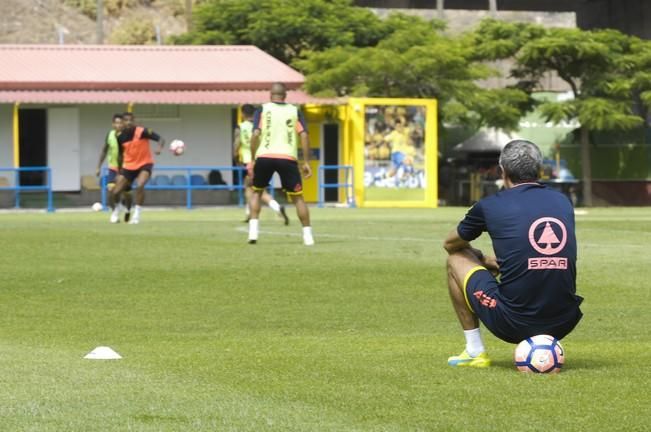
(278, 91)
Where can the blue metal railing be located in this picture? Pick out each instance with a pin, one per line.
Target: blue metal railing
(348, 185)
(17, 188)
(238, 172)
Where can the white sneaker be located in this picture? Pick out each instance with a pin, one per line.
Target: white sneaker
(308, 240)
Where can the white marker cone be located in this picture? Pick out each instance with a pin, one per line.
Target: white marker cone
(102, 353)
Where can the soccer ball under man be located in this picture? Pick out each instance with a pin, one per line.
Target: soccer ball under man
(539, 354)
(177, 147)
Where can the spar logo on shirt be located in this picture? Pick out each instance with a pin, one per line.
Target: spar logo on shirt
(548, 236)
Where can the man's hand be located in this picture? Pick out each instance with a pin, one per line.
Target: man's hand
(307, 170)
(490, 262)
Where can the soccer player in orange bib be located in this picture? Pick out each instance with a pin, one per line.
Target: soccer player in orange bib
(137, 164)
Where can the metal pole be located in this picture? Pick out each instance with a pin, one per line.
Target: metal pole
(16, 127)
(440, 9)
(492, 7)
(99, 21)
(188, 14)
(50, 204)
(102, 185)
(318, 180)
(188, 193)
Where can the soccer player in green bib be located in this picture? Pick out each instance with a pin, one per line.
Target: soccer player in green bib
(242, 144)
(111, 149)
(277, 127)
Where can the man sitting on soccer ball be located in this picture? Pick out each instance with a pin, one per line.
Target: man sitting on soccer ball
(532, 231)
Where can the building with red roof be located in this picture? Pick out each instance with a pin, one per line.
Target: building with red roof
(65, 95)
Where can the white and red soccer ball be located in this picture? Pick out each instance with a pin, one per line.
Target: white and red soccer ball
(177, 147)
(540, 354)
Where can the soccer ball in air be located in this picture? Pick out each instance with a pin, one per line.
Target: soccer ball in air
(97, 207)
(539, 354)
(177, 147)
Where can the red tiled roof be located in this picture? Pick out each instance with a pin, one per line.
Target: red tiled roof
(107, 67)
(179, 97)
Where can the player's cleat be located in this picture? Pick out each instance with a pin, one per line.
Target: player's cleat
(246, 220)
(283, 213)
(115, 218)
(464, 360)
(252, 241)
(127, 216)
(308, 240)
(134, 221)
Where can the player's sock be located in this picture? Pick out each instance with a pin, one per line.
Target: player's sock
(247, 211)
(136, 215)
(308, 240)
(474, 344)
(253, 230)
(115, 215)
(274, 205)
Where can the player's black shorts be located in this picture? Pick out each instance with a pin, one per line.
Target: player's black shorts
(111, 179)
(482, 295)
(290, 176)
(111, 176)
(131, 175)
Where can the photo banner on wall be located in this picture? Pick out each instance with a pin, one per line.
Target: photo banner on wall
(395, 152)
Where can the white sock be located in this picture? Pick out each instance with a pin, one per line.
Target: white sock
(253, 229)
(274, 205)
(474, 344)
(307, 231)
(136, 214)
(116, 211)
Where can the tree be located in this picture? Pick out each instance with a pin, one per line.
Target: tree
(283, 28)
(415, 59)
(596, 65)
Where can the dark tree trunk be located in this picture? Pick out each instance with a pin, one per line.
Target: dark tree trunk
(586, 167)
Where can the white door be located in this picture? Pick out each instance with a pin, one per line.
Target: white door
(63, 153)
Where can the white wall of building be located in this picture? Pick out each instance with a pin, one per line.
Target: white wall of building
(206, 131)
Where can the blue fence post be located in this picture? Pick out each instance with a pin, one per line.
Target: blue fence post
(102, 185)
(352, 202)
(240, 186)
(320, 185)
(346, 183)
(50, 204)
(188, 193)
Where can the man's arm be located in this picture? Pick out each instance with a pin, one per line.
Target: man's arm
(255, 143)
(301, 130)
(102, 156)
(236, 145)
(454, 243)
(305, 145)
(150, 134)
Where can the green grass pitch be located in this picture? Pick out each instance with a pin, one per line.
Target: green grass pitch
(350, 335)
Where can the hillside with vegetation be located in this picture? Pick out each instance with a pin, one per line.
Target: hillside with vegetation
(73, 21)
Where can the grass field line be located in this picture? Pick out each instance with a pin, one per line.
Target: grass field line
(340, 236)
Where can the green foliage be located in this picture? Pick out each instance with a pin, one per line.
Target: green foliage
(283, 28)
(111, 7)
(416, 60)
(136, 30)
(495, 40)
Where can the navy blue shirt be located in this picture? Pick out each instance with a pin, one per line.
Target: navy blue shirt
(532, 230)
